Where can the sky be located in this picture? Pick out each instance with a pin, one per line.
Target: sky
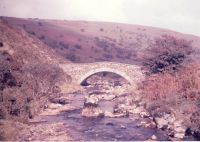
(179, 15)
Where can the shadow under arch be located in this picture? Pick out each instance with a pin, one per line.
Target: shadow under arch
(109, 70)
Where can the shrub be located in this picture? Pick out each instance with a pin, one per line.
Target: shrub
(6, 77)
(102, 43)
(38, 81)
(32, 33)
(24, 88)
(24, 26)
(39, 24)
(82, 30)
(1, 44)
(107, 56)
(42, 37)
(73, 57)
(168, 54)
(63, 45)
(124, 53)
(101, 29)
(77, 46)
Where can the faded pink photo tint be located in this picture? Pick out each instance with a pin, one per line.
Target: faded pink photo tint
(99, 70)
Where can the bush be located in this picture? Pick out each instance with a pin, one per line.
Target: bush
(101, 29)
(1, 44)
(77, 46)
(24, 26)
(24, 88)
(108, 56)
(32, 33)
(168, 54)
(82, 30)
(38, 81)
(6, 77)
(102, 43)
(73, 58)
(39, 24)
(63, 45)
(42, 37)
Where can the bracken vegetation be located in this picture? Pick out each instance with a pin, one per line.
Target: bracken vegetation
(172, 84)
(25, 87)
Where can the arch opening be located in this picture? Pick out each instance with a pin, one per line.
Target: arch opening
(114, 76)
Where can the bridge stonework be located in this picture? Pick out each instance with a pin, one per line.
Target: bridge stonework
(79, 72)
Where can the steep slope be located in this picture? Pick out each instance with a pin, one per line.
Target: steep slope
(29, 73)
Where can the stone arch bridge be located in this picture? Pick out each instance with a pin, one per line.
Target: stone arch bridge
(80, 71)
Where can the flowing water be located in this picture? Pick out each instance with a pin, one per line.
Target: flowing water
(126, 128)
(101, 128)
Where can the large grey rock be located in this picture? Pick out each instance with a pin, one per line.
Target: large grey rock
(179, 135)
(61, 101)
(165, 122)
(92, 112)
(108, 114)
(169, 122)
(114, 115)
(154, 137)
(106, 97)
(161, 122)
(91, 100)
(121, 109)
(179, 129)
(54, 106)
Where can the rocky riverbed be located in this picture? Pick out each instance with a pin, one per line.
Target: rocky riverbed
(103, 110)
(72, 121)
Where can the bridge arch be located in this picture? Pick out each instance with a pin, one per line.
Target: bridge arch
(111, 70)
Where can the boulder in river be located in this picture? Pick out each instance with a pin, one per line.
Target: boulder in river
(91, 101)
(165, 122)
(161, 122)
(121, 109)
(168, 121)
(106, 97)
(54, 106)
(61, 101)
(179, 130)
(153, 137)
(92, 112)
(108, 114)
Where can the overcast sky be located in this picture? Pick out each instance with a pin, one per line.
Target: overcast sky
(178, 15)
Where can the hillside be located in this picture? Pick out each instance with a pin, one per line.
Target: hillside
(29, 73)
(83, 42)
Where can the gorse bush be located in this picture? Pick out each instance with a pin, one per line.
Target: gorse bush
(168, 54)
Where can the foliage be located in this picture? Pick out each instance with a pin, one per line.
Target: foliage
(168, 54)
